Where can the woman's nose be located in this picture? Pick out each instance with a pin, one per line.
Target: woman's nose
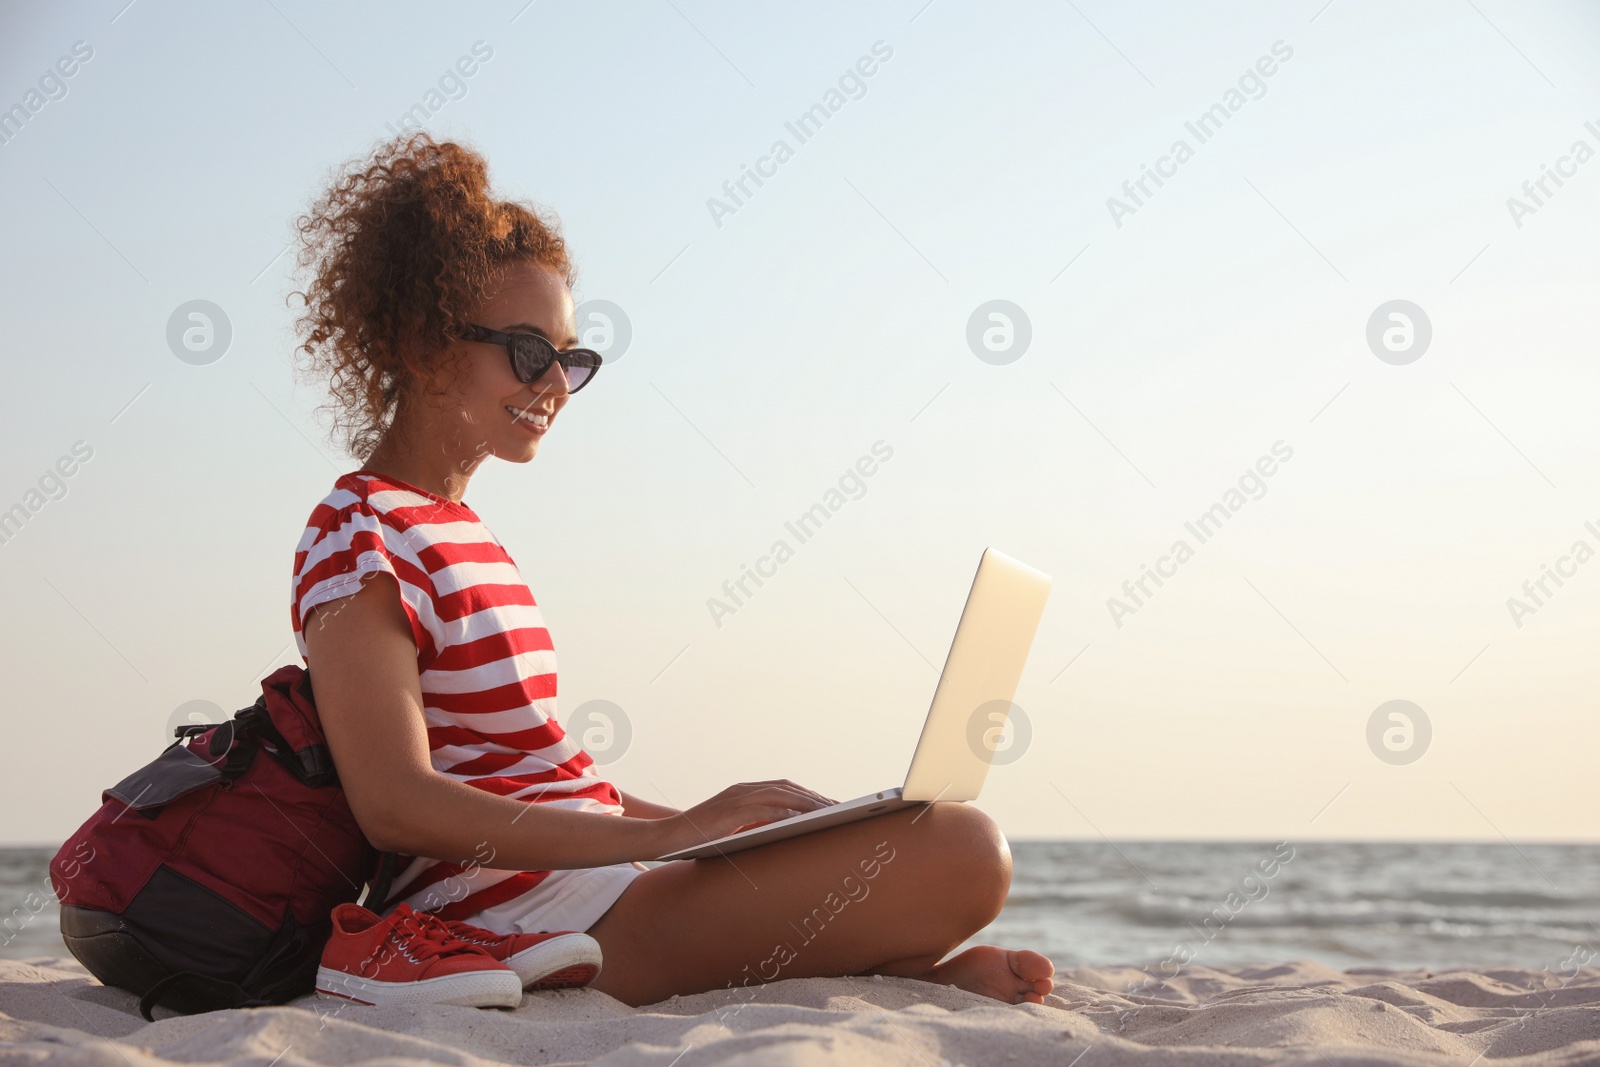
(554, 379)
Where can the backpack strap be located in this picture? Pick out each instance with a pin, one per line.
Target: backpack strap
(311, 765)
(378, 891)
(215, 993)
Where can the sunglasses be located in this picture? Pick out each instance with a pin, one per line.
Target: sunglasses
(531, 355)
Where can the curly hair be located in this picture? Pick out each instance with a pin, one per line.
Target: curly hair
(401, 248)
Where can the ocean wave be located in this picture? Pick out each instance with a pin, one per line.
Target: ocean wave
(1476, 911)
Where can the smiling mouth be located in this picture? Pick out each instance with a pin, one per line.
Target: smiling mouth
(538, 421)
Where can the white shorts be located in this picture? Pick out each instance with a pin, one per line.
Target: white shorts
(566, 900)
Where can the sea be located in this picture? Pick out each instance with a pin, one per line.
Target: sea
(1219, 904)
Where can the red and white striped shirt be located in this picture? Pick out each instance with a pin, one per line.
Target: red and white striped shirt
(484, 657)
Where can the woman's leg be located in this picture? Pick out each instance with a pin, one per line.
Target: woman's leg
(888, 895)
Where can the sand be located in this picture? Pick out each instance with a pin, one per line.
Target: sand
(1298, 1013)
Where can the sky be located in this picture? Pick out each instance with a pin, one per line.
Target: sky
(1347, 325)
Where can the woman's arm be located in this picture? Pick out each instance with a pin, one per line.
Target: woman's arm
(363, 663)
(634, 808)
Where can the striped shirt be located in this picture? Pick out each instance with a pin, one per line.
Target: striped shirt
(484, 657)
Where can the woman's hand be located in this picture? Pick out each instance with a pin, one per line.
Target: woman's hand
(736, 808)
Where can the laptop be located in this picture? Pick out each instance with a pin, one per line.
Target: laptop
(970, 703)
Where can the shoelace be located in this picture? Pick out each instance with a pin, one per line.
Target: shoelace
(419, 935)
(474, 937)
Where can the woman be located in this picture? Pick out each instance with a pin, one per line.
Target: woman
(435, 313)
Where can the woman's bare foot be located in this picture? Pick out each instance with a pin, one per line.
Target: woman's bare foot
(1012, 975)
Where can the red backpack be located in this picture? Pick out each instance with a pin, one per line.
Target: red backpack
(206, 878)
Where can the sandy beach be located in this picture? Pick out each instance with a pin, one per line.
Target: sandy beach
(1297, 1013)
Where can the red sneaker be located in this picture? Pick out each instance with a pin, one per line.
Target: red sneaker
(561, 960)
(410, 957)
